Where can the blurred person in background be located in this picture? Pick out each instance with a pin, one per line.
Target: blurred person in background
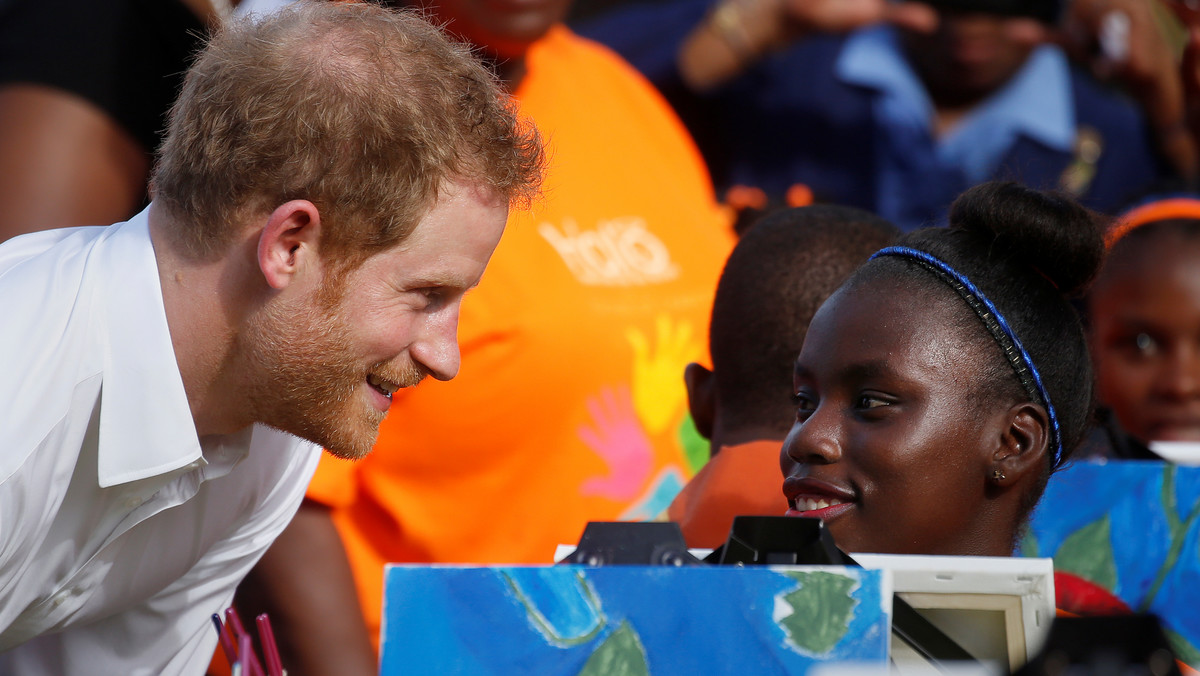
(899, 107)
(85, 88)
(1144, 315)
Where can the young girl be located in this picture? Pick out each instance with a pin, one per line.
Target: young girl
(1145, 323)
(940, 386)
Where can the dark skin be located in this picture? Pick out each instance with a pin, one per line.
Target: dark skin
(889, 423)
(967, 58)
(722, 430)
(64, 161)
(1145, 316)
(503, 29)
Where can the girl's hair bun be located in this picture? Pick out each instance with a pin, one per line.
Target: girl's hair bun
(1050, 233)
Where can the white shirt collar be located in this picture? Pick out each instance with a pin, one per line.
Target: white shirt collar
(146, 425)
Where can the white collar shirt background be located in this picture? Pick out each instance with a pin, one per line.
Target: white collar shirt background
(121, 532)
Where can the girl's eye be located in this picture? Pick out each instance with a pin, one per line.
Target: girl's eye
(1144, 344)
(804, 405)
(868, 401)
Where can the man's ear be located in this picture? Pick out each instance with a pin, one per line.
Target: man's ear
(1024, 444)
(702, 397)
(288, 242)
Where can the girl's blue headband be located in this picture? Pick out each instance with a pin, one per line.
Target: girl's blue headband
(996, 325)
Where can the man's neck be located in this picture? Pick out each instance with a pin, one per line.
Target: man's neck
(197, 298)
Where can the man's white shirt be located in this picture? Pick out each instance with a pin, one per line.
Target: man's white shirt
(121, 532)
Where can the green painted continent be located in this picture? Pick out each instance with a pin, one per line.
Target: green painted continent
(821, 610)
(621, 654)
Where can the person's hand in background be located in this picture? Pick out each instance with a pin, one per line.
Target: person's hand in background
(1129, 43)
(737, 33)
(1188, 13)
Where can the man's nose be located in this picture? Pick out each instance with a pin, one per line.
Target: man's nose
(437, 348)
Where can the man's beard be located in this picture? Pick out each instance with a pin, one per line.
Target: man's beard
(304, 378)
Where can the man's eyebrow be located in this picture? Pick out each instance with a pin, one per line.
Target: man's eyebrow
(444, 280)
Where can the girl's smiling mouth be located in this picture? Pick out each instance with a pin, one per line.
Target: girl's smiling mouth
(824, 514)
(816, 499)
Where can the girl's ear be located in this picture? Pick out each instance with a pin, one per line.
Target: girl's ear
(1023, 446)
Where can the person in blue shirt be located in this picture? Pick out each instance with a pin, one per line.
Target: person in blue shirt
(918, 102)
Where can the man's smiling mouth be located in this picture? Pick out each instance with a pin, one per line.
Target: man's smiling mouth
(384, 387)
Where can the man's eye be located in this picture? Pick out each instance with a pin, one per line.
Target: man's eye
(433, 296)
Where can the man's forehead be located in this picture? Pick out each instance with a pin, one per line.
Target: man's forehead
(463, 226)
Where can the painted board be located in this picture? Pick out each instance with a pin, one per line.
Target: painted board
(1125, 535)
(998, 608)
(631, 620)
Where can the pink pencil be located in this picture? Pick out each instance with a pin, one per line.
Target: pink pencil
(234, 622)
(250, 663)
(266, 636)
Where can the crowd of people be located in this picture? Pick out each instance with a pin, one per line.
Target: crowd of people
(855, 261)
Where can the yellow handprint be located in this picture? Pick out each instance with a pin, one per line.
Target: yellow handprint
(658, 392)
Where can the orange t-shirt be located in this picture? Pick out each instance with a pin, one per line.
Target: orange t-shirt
(739, 480)
(569, 406)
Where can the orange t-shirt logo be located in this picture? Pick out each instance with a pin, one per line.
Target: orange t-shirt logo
(618, 252)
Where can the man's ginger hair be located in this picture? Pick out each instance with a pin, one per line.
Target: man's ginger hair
(364, 111)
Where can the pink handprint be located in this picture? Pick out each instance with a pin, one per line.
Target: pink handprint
(617, 437)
